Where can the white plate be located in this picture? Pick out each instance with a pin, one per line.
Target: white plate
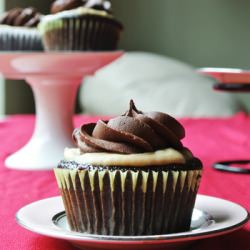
(212, 217)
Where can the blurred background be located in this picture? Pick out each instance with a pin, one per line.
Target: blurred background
(199, 33)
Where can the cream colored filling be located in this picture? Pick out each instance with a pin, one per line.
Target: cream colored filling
(76, 12)
(17, 28)
(160, 157)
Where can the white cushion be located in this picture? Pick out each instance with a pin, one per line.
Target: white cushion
(155, 83)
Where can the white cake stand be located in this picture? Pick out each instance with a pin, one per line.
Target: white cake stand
(54, 79)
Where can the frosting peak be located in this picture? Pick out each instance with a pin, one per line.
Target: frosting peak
(27, 17)
(99, 5)
(132, 132)
(62, 5)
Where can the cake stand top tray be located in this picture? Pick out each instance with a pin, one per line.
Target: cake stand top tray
(19, 65)
(229, 79)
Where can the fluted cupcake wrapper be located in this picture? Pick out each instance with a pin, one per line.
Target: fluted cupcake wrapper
(81, 33)
(128, 202)
(19, 39)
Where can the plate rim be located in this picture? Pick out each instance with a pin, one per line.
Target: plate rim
(146, 239)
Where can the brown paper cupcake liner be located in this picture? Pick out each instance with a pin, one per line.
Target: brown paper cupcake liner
(128, 202)
(19, 39)
(84, 33)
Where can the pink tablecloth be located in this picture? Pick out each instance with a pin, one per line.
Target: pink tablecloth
(209, 139)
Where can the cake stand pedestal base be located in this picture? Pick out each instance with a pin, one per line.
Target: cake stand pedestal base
(55, 99)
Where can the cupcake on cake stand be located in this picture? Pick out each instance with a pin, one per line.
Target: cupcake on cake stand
(54, 79)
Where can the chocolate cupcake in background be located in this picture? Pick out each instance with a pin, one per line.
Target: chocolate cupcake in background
(78, 25)
(18, 30)
(130, 175)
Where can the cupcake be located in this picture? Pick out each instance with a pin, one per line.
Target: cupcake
(18, 30)
(80, 25)
(129, 175)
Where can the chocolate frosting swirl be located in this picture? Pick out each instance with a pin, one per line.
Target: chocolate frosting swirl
(132, 132)
(27, 17)
(62, 5)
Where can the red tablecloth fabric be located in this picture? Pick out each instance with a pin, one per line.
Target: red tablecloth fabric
(209, 139)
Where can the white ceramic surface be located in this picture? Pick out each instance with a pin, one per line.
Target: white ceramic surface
(212, 217)
(227, 75)
(54, 79)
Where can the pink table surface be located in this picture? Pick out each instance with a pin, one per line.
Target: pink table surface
(209, 139)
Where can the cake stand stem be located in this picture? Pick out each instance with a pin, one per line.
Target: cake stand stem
(54, 99)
